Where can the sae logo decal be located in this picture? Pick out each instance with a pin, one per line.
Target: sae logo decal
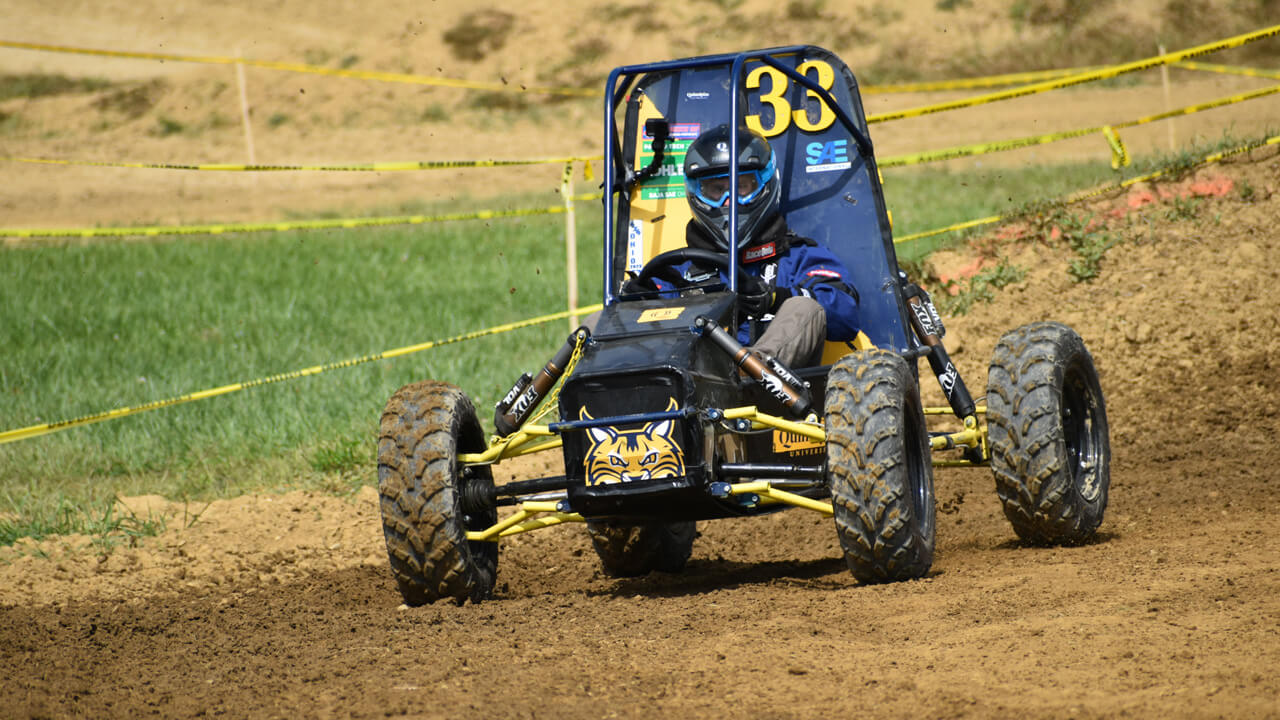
(827, 157)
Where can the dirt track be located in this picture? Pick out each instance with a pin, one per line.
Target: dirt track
(274, 606)
(284, 606)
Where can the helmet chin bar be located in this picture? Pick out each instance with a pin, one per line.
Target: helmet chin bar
(750, 219)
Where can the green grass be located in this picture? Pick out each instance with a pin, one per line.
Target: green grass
(94, 327)
(91, 327)
(107, 524)
(34, 85)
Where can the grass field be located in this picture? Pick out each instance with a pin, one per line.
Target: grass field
(91, 327)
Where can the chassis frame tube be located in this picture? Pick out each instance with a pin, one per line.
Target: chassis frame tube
(537, 438)
(534, 515)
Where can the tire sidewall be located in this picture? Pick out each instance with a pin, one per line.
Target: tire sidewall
(1036, 372)
(424, 429)
(881, 481)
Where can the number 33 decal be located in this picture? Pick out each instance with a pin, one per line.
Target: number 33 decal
(783, 115)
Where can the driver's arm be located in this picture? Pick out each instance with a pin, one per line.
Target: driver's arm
(815, 272)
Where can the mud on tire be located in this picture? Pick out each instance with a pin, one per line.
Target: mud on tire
(1047, 425)
(635, 550)
(879, 467)
(424, 428)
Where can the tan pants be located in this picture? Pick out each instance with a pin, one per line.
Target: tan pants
(796, 333)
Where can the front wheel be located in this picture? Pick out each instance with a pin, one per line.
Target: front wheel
(1047, 425)
(878, 465)
(635, 550)
(424, 495)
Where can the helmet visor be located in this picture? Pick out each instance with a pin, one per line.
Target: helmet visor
(714, 190)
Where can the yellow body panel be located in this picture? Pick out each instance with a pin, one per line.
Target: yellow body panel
(657, 223)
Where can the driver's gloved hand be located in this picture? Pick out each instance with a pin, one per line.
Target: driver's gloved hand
(636, 285)
(760, 304)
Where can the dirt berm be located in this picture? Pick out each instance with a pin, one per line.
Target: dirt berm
(284, 606)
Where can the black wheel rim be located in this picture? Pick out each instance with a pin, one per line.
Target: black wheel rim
(916, 470)
(1082, 433)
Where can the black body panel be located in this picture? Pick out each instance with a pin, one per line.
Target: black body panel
(646, 357)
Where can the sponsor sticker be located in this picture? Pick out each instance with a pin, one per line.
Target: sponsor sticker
(766, 250)
(668, 182)
(795, 443)
(635, 246)
(827, 156)
(662, 193)
(686, 131)
(659, 314)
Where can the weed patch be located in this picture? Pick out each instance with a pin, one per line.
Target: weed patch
(107, 524)
(1247, 191)
(166, 126)
(980, 288)
(1084, 234)
(805, 10)
(479, 33)
(40, 85)
(1182, 209)
(132, 102)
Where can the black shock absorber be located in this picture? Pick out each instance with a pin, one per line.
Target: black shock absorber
(776, 378)
(521, 400)
(928, 326)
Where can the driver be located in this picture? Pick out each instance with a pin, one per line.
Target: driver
(805, 297)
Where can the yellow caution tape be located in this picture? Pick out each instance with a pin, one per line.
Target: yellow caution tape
(304, 68)
(971, 83)
(955, 227)
(358, 167)
(1013, 144)
(1100, 190)
(1206, 160)
(47, 428)
(980, 148)
(1229, 69)
(220, 228)
(1018, 78)
(1119, 154)
(1089, 76)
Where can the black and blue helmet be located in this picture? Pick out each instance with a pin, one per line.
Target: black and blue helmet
(706, 178)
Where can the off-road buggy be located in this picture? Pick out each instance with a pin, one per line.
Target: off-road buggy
(664, 419)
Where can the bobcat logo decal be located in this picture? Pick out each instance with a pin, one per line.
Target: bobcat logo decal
(620, 456)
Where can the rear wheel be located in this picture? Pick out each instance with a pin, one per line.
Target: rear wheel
(634, 550)
(878, 465)
(1047, 426)
(428, 501)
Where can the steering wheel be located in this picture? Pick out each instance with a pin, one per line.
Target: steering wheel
(663, 267)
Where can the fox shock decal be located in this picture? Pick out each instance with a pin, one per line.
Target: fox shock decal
(769, 372)
(524, 397)
(928, 328)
